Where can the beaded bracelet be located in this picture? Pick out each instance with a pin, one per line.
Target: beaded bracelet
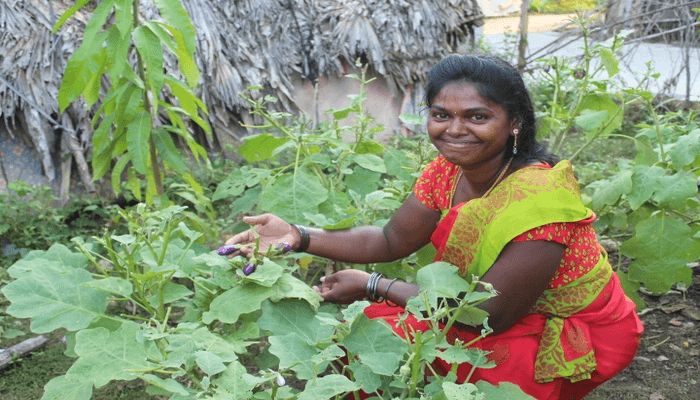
(304, 245)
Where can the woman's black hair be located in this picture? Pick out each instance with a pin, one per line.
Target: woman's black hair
(495, 79)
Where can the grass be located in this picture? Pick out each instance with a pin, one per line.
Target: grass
(562, 6)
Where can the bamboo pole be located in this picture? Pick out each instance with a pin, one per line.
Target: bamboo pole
(522, 45)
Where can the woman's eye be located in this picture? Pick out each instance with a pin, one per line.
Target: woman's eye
(440, 115)
(478, 117)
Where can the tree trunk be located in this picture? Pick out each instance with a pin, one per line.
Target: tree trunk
(522, 45)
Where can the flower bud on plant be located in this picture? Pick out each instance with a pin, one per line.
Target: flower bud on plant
(248, 269)
(281, 381)
(405, 370)
(226, 250)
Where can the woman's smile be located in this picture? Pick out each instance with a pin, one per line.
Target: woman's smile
(468, 129)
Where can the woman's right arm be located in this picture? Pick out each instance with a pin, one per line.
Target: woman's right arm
(408, 230)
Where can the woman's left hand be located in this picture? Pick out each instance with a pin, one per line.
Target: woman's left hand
(343, 287)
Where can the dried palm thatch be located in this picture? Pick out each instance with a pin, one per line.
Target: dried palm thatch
(239, 43)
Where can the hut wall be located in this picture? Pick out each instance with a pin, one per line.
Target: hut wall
(333, 93)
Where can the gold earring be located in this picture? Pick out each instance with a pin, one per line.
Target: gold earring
(515, 141)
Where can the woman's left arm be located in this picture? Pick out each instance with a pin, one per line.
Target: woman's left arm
(520, 274)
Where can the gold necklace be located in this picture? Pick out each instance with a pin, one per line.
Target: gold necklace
(502, 172)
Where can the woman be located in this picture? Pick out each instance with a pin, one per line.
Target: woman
(496, 205)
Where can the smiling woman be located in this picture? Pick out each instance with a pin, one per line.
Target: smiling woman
(498, 206)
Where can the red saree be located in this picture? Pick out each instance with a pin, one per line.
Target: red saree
(582, 331)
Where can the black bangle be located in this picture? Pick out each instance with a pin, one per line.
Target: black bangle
(304, 245)
(372, 284)
(386, 293)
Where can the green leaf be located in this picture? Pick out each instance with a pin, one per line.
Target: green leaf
(171, 292)
(294, 316)
(137, 136)
(289, 286)
(504, 391)
(464, 391)
(81, 66)
(168, 151)
(589, 120)
(645, 152)
(57, 256)
(53, 298)
(412, 119)
(151, 51)
(67, 388)
(677, 188)
(631, 289)
(119, 286)
(603, 102)
(372, 336)
(117, 171)
(685, 150)
(260, 147)
(381, 363)
(441, 279)
(661, 248)
(67, 14)
(362, 180)
(368, 380)
(295, 353)
(231, 304)
(188, 66)
(210, 363)
(609, 193)
(175, 14)
(399, 164)
(93, 85)
(290, 196)
(327, 387)
(370, 162)
(644, 184)
(170, 385)
(238, 180)
(233, 383)
(106, 356)
(609, 61)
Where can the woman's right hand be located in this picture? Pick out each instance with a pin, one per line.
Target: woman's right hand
(272, 231)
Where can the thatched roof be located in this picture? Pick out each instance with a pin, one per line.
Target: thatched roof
(240, 43)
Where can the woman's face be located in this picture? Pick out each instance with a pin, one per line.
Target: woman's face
(468, 129)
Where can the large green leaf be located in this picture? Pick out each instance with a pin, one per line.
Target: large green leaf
(290, 196)
(503, 391)
(231, 385)
(610, 62)
(598, 103)
(661, 247)
(465, 391)
(327, 387)
(370, 162)
(260, 147)
(295, 353)
(686, 149)
(677, 188)
(234, 302)
(644, 184)
(362, 180)
(106, 356)
(175, 14)
(610, 192)
(168, 151)
(151, 51)
(209, 362)
(288, 286)
(137, 137)
(294, 316)
(53, 297)
(81, 66)
(368, 338)
(57, 255)
(441, 279)
(66, 387)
